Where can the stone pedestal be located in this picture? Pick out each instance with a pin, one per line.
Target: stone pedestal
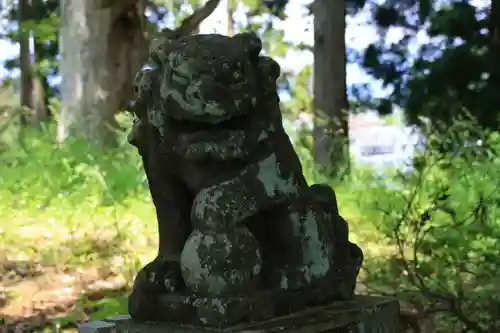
(363, 314)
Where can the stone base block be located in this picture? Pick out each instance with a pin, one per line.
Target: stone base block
(215, 311)
(362, 314)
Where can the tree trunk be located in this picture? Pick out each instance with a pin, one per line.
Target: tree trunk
(26, 90)
(40, 102)
(32, 90)
(331, 133)
(40, 110)
(102, 47)
(231, 6)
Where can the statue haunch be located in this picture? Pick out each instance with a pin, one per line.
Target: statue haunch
(235, 214)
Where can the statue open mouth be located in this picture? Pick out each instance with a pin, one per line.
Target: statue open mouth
(203, 95)
(189, 96)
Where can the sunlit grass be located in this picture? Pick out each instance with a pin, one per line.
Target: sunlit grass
(71, 206)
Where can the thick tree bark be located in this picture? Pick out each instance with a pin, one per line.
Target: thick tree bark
(40, 110)
(102, 46)
(40, 102)
(331, 131)
(32, 90)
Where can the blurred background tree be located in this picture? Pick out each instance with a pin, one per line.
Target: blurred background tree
(455, 65)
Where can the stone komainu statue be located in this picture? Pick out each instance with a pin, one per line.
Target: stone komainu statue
(242, 236)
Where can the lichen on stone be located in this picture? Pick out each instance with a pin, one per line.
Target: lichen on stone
(215, 264)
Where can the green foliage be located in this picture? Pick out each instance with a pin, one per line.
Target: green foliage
(443, 223)
(75, 166)
(76, 190)
(457, 68)
(43, 24)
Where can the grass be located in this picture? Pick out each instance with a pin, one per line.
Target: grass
(73, 208)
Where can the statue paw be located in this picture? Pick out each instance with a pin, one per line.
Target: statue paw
(156, 278)
(160, 276)
(221, 263)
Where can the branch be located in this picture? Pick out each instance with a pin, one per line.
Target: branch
(192, 22)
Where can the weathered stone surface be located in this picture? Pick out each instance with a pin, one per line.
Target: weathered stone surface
(360, 315)
(236, 216)
(221, 263)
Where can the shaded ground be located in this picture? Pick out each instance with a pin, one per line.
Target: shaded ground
(32, 296)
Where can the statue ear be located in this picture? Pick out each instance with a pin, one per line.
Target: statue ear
(251, 43)
(269, 69)
(160, 48)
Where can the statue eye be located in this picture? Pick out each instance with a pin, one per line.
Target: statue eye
(237, 71)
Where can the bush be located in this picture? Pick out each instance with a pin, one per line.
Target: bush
(80, 203)
(43, 170)
(444, 226)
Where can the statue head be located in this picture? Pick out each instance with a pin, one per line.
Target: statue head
(204, 78)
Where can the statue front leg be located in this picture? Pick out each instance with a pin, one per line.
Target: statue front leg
(258, 187)
(173, 205)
